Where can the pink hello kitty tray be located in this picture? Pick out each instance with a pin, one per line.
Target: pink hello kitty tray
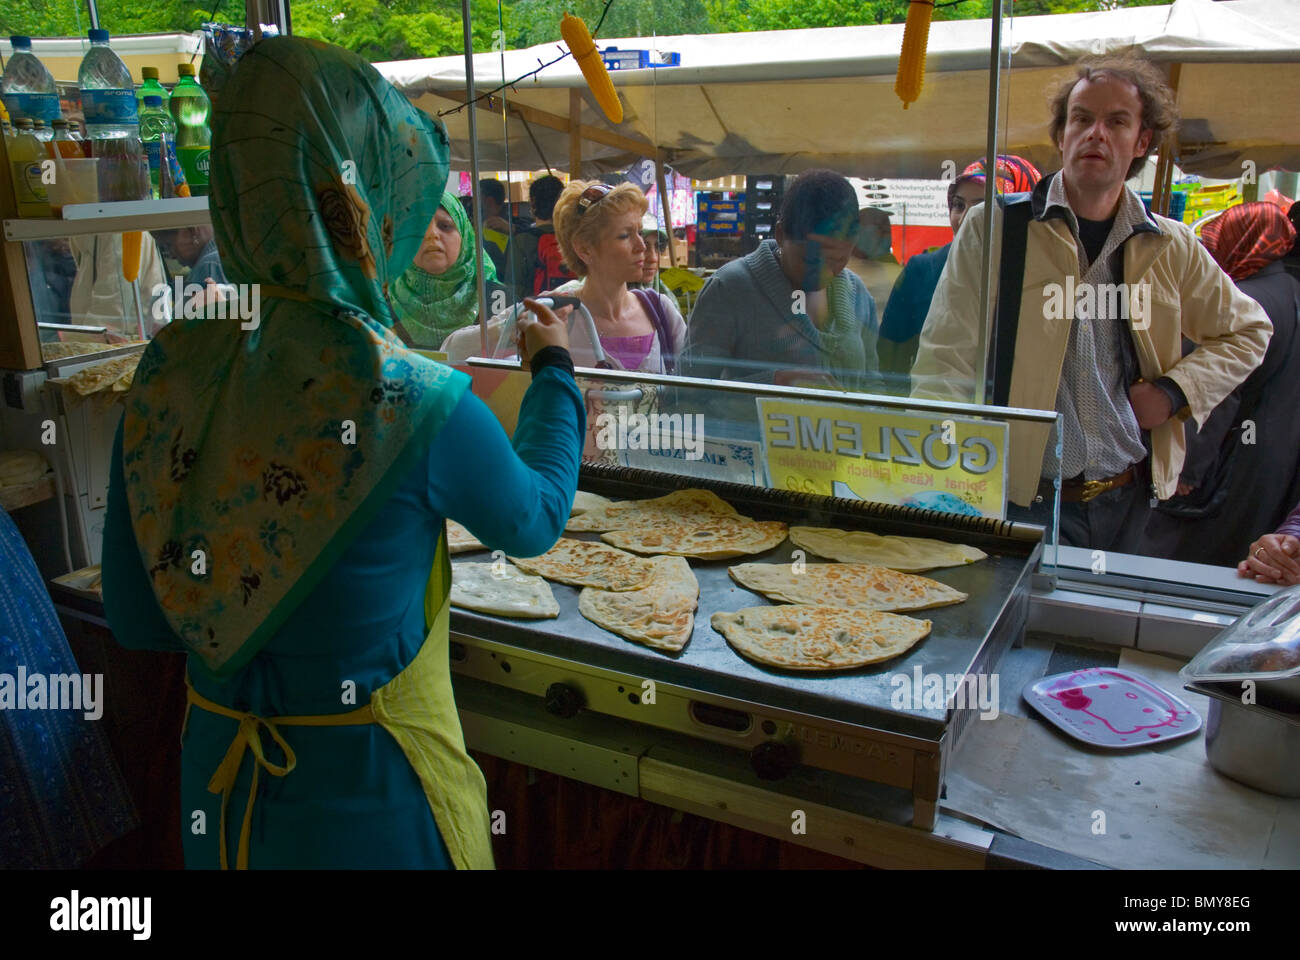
(1111, 707)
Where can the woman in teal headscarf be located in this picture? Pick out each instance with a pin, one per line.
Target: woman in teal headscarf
(278, 494)
(437, 295)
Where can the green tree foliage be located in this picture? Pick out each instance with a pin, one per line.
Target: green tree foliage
(395, 29)
(68, 18)
(403, 29)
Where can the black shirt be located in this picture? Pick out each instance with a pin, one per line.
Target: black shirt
(1093, 235)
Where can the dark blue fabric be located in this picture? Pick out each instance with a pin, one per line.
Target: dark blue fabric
(910, 300)
(61, 795)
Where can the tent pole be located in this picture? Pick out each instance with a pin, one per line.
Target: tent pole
(575, 133)
(477, 211)
(990, 193)
(1161, 191)
(661, 180)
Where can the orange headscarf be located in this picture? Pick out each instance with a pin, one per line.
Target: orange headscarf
(1247, 237)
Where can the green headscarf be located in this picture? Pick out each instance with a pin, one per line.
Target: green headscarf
(252, 458)
(432, 308)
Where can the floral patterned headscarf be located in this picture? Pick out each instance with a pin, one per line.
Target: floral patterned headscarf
(253, 457)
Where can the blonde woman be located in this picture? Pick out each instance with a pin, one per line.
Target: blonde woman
(599, 231)
(598, 228)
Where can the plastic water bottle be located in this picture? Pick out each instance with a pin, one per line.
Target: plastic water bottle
(150, 88)
(190, 108)
(158, 134)
(27, 87)
(112, 122)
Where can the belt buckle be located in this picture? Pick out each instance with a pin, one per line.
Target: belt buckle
(1094, 488)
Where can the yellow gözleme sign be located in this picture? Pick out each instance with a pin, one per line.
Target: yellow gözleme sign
(925, 460)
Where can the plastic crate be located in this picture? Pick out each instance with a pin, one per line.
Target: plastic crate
(1177, 203)
(616, 59)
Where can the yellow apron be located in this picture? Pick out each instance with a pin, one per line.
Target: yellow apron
(417, 708)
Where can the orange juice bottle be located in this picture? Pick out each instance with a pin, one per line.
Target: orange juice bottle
(62, 143)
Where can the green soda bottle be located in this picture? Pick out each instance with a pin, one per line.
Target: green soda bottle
(150, 87)
(190, 107)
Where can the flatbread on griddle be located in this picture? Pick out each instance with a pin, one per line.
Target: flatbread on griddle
(860, 586)
(501, 589)
(460, 540)
(719, 538)
(584, 502)
(679, 505)
(809, 637)
(905, 554)
(661, 615)
(584, 563)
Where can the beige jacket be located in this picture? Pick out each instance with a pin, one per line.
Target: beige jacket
(1189, 296)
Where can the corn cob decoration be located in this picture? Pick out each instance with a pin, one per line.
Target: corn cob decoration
(131, 244)
(578, 39)
(911, 62)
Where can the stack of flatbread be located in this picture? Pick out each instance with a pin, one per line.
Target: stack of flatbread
(501, 589)
(649, 600)
(76, 348)
(904, 554)
(685, 523)
(859, 586)
(622, 514)
(19, 467)
(115, 375)
(583, 563)
(660, 615)
(460, 540)
(811, 637)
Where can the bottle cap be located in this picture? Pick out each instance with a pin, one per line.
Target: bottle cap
(98, 36)
(23, 123)
(153, 101)
(20, 43)
(185, 69)
(38, 123)
(149, 73)
(58, 122)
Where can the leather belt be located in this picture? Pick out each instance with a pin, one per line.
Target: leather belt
(1081, 491)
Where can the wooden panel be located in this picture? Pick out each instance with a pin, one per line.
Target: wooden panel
(25, 494)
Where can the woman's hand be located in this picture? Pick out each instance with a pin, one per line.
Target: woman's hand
(1273, 559)
(538, 329)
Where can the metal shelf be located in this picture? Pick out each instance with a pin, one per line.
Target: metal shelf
(84, 219)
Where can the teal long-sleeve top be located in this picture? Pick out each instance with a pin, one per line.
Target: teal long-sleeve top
(353, 800)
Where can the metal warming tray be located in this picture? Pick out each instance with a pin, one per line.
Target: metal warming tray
(846, 722)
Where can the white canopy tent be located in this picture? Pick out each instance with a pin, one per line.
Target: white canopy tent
(785, 101)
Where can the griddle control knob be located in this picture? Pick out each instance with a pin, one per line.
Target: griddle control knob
(563, 700)
(774, 759)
